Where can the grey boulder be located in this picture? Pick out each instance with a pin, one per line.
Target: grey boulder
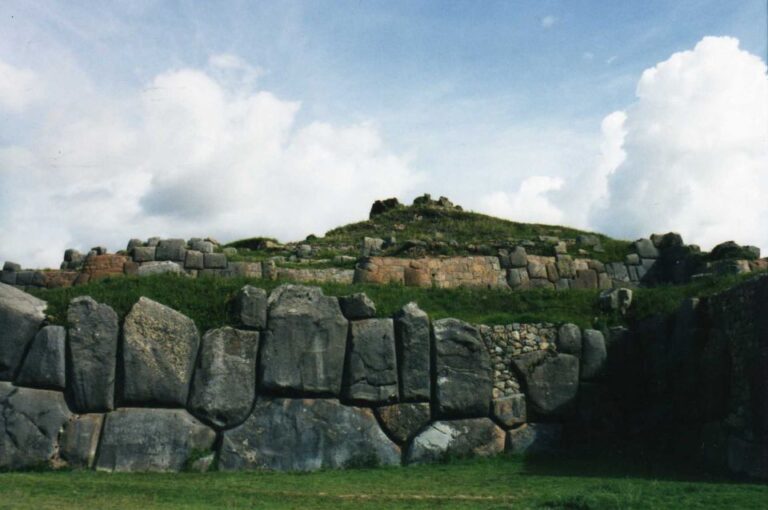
(569, 339)
(402, 421)
(159, 350)
(510, 411)
(44, 365)
(171, 249)
(151, 440)
(357, 306)
(463, 370)
(21, 315)
(371, 373)
(30, 421)
(224, 384)
(303, 347)
(250, 307)
(80, 440)
(478, 437)
(593, 354)
(551, 381)
(306, 435)
(92, 354)
(413, 347)
(167, 266)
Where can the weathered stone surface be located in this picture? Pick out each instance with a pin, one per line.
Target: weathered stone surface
(551, 381)
(463, 369)
(518, 257)
(150, 268)
(457, 438)
(305, 435)
(569, 339)
(371, 246)
(537, 269)
(144, 253)
(250, 307)
(593, 354)
(44, 364)
(30, 421)
(518, 278)
(200, 245)
(357, 306)
(215, 260)
(151, 440)
(8, 277)
(304, 344)
(402, 421)
(646, 249)
(511, 410)
(92, 354)
(224, 384)
(194, 260)
(21, 315)
(534, 438)
(171, 249)
(585, 279)
(413, 351)
(371, 372)
(617, 271)
(80, 440)
(103, 266)
(159, 350)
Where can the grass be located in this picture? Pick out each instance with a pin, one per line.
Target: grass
(497, 483)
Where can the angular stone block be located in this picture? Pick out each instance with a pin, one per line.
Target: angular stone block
(371, 372)
(593, 354)
(463, 370)
(159, 350)
(224, 384)
(569, 339)
(518, 257)
(304, 345)
(412, 337)
(215, 260)
(171, 249)
(402, 421)
(357, 306)
(478, 437)
(151, 440)
(92, 354)
(144, 254)
(511, 410)
(80, 440)
(194, 260)
(21, 315)
(250, 307)
(150, 268)
(306, 435)
(551, 381)
(44, 365)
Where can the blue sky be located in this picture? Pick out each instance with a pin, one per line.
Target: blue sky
(471, 98)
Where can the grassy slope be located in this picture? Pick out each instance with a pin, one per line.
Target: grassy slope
(502, 482)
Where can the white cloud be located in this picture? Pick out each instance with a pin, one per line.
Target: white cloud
(193, 153)
(529, 204)
(18, 88)
(696, 150)
(548, 21)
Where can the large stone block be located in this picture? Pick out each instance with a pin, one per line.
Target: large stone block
(371, 372)
(413, 340)
(402, 421)
(171, 249)
(144, 254)
(80, 440)
(30, 421)
(551, 381)
(534, 438)
(510, 411)
(150, 268)
(44, 364)
(646, 249)
(151, 440)
(194, 260)
(304, 345)
(357, 306)
(569, 339)
(478, 437)
(224, 384)
(463, 370)
(518, 257)
(21, 315)
(250, 307)
(306, 435)
(159, 350)
(215, 260)
(593, 354)
(92, 354)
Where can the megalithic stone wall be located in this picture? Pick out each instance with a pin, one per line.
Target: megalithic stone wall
(304, 382)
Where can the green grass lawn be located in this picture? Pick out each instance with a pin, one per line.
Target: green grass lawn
(502, 482)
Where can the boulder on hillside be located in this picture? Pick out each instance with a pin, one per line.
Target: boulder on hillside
(463, 370)
(402, 421)
(550, 381)
(371, 372)
(382, 206)
(224, 384)
(306, 435)
(30, 421)
(21, 315)
(478, 437)
(304, 345)
(44, 364)
(92, 354)
(413, 350)
(159, 350)
(151, 440)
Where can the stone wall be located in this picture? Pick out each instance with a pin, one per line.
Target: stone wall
(441, 272)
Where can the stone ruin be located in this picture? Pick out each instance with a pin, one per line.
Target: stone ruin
(305, 381)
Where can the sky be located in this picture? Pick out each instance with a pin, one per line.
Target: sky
(287, 118)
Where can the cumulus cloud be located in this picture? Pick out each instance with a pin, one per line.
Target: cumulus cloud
(192, 153)
(696, 150)
(18, 87)
(529, 203)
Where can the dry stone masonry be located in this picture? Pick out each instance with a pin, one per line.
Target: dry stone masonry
(306, 381)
